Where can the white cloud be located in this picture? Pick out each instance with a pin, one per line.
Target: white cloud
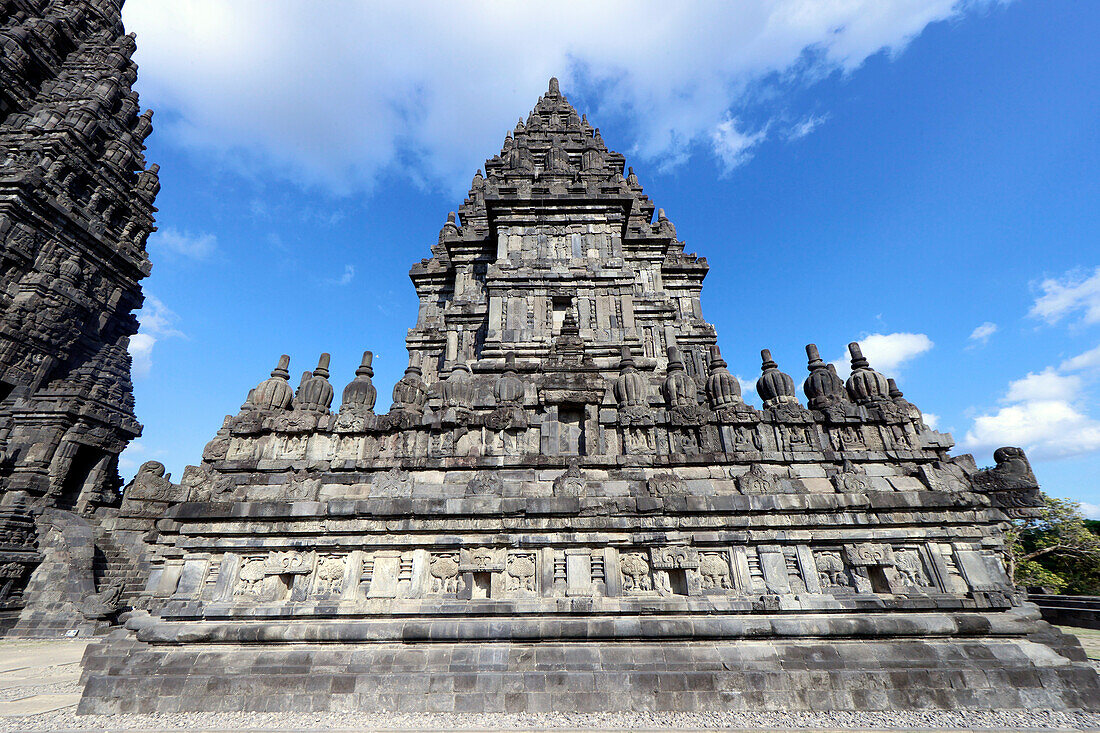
(1082, 362)
(806, 126)
(184, 244)
(1043, 428)
(1045, 413)
(141, 354)
(931, 420)
(155, 322)
(733, 146)
(1046, 386)
(981, 334)
(346, 278)
(887, 352)
(1075, 291)
(1091, 511)
(431, 88)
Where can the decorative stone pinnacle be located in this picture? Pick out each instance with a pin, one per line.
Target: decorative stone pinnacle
(675, 361)
(510, 362)
(859, 361)
(554, 91)
(627, 361)
(322, 366)
(282, 371)
(894, 391)
(766, 360)
(716, 360)
(365, 369)
(813, 357)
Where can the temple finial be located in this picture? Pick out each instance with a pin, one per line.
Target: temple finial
(554, 91)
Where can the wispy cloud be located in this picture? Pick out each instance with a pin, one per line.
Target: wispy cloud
(732, 145)
(346, 277)
(806, 126)
(430, 89)
(156, 321)
(1073, 293)
(982, 334)
(184, 244)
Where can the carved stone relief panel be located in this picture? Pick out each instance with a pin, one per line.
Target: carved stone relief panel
(443, 573)
(521, 574)
(910, 568)
(272, 578)
(832, 572)
(328, 579)
(714, 572)
(635, 573)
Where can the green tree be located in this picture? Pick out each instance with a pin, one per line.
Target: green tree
(1056, 549)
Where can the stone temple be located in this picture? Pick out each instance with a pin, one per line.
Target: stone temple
(76, 206)
(568, 506)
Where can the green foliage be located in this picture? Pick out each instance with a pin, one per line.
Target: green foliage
(1058, 549)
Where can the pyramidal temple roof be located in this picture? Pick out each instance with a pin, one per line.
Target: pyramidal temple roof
(555, 152)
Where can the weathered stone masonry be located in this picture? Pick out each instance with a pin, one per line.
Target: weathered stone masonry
(568, 505)
(76, 206)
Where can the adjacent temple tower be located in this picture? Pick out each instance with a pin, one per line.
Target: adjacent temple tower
(76, 206)
(569, 506)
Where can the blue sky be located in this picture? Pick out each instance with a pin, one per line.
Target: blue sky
(919, 175)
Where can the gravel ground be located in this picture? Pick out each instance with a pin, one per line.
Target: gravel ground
(967, 720)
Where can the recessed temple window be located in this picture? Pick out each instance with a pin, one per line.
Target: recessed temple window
(482, 587)
(677, 581)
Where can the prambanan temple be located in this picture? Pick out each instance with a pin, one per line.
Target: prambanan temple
(567, 507)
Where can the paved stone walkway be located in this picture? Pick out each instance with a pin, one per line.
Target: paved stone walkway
(39, 691)
(39, 676)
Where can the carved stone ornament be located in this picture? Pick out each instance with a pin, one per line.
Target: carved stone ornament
(481, 559)
(349, 421)
(869, 554)
(635, 416)
(635, 572)
(666, 484)
(685, 415)
(851, 482)
(1011, 484)
(248, 422)
(151, 484)
(103, 604)
(520, 573)
(714, 571)
(485, 483)
(443, 570)
(329, 578)
(756, 481)
(394, 483)
(504, 418)
(674, 558)
(296, 421)
(216, 449)
(571, 483)
(832, 572)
